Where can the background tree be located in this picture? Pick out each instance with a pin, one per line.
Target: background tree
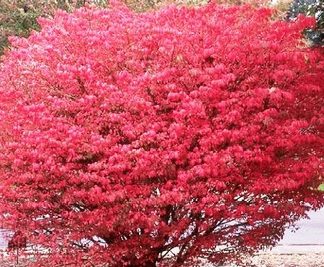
(19, 17)
(313, 8)
(125, 136)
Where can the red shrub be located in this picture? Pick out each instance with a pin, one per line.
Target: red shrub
(125, 135)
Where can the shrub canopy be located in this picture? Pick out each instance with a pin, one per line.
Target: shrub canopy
(124, 135)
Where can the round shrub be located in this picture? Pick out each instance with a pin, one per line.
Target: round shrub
(128, 137)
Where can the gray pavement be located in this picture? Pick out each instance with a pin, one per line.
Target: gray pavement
(310, 231)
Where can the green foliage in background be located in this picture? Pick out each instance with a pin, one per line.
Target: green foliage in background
(321, 188)
(18, 17)
(16, 20)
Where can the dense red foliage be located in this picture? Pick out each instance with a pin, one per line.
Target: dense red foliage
(126, 135)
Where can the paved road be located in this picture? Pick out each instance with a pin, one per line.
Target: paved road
(310, 231)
